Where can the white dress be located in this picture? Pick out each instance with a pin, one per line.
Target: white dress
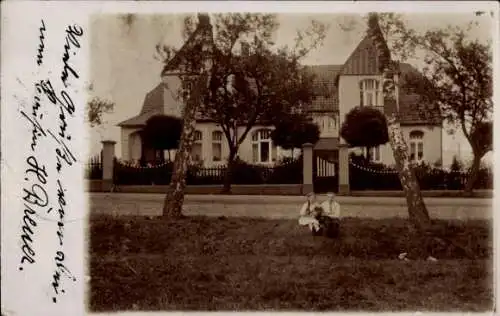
(306, 217)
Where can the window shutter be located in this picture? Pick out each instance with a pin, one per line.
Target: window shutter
(274, 154)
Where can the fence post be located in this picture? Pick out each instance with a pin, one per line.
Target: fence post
(307, 156)
(343, 169)
(108, 157)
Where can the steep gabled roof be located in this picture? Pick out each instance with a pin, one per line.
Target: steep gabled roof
(152, 105)
(366, 58)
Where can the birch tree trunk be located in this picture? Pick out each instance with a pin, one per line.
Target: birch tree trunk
(175, 195)
(417, 210)
(200, 52)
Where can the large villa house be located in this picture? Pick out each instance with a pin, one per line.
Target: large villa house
(357, 82)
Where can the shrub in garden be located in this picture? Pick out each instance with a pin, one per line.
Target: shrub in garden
(245, 173)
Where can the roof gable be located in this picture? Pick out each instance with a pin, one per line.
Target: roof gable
(152, 105)
(365, 59)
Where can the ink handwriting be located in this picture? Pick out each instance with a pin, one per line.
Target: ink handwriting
(72, 34)
(41, 46)
(41, 170)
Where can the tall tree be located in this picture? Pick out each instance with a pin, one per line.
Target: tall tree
(365, 127)
(417, 209)
(195, 64)
(458, 78)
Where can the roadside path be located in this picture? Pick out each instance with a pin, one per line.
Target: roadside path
(285, 206)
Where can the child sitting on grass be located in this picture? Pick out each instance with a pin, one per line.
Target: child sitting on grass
(330, 217)
(309, 212)
(321, 219)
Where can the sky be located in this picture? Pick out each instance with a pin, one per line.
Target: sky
(124, 69)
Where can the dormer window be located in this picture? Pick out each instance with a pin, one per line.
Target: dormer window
(370, 93)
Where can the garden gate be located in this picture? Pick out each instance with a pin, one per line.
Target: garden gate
(325, 171)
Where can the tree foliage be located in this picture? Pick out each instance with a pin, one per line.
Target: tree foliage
(365, 127)
(96, 107)
(294, 131)
(162, 132)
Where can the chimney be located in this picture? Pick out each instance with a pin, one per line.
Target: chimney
(245, 49)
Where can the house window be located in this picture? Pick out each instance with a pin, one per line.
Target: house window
(262, 149)
(417, 146)
(186, 88)
(216, 146)
(374, 154)
(196, 150)
(330, 124)
(370, 94)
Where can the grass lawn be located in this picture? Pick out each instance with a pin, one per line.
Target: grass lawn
(203, 263)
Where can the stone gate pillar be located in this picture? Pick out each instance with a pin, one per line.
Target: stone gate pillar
(108, 160)
(307, 156)
(343, 169)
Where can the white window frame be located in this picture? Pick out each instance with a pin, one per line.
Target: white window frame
(326, 124)
(375, 154)
(257, 140)
(198, 140)
(373, 88)
(416, 141)
(216, 141)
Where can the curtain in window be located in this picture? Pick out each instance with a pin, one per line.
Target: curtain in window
(420, 150)
(196, 150)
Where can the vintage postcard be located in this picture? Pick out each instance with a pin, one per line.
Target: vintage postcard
(248, 156)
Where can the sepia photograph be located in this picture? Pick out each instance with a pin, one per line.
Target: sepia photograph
(263, 161)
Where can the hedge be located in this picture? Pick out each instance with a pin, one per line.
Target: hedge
(381, 177)
(288, 171)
